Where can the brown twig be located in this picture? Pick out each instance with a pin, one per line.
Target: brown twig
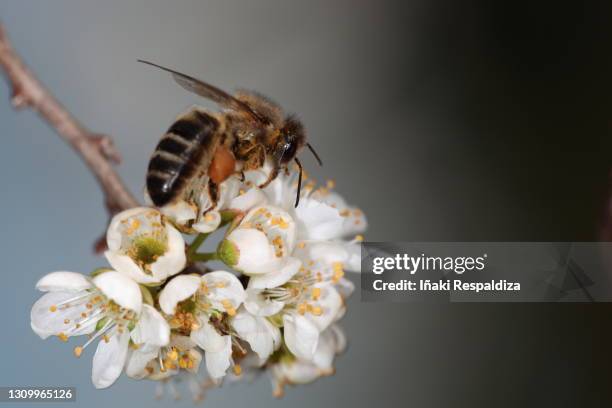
(96, 150)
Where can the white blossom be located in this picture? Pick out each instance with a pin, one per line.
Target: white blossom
(108, 307)
(262, 242)
(160, 311)
(196, 304)
(289, 370)
(142, 245)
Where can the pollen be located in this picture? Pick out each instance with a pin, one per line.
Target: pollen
(52, 308)
(62, 337)
(316, 293)
(237, 369)
(78, 350)
(173, 355)
(209, 217)
(229, 308)
(359, 238)
(301, 245)
(66, 321)
(316, 310)
(134, 225)
(331, 184)
(302, 308)
(345, 213)
(221, 285)
(282, 224)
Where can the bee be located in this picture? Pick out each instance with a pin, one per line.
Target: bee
(209, 147)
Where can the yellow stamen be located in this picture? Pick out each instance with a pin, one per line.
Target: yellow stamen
(237, 369)
(53, 308)
(173, 355)
(302, 308)
(316, 293)
(77, 351)
(62, 337)
(316, 310)
(280, 222)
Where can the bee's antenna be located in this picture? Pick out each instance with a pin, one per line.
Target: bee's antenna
(299, 186)
(314, 153)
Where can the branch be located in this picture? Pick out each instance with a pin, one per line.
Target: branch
(96, 150)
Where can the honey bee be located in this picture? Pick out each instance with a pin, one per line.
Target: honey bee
(209, 147)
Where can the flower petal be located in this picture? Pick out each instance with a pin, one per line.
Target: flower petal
(173, 260)
(180, 212)
(113, 233)
(109, 360)
(301, 335)
(63, 281)
(138, 359)
(121, 289)
(223, 287)
(257, 331)
(208, 222)
(207, 337)
(218, 362)
(299, 372)
(253, 197)
(353, 262)
(318, 221)
(330, 303)
(177, 290)
(259, 305)
(126, 265)
(255, 254)
(46, 323)
(151, 329)
(289, 267)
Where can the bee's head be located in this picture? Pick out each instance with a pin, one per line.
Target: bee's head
(291, 139)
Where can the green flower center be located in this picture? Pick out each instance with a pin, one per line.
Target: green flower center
(146, 250)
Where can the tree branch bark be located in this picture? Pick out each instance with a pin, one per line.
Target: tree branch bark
(96, 150)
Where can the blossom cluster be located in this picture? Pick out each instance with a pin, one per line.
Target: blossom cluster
(159, 310)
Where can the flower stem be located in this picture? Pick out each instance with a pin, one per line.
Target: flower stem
(195, 244)
(204, 257)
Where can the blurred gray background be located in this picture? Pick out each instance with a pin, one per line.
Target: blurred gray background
(443, 120)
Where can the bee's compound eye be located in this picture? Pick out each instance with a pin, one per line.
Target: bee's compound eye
(290, 149)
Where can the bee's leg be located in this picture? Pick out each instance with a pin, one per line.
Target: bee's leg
(256, 157)
(213, 195)
(272, 175)
(241, 175)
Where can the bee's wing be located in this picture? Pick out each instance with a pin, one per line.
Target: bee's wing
(210, 92)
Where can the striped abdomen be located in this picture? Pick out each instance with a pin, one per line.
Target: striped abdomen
(185, 149)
